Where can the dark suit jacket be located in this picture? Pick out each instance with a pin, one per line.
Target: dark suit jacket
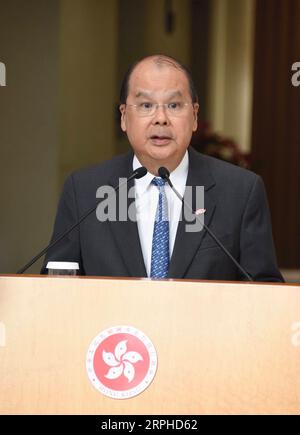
(236, 210)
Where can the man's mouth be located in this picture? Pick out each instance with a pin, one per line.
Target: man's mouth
(160, 139)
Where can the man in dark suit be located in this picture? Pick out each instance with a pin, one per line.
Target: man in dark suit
(159, 109)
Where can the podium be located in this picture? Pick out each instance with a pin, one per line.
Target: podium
(222, 347)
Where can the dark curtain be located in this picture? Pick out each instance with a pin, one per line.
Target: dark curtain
(276, 120)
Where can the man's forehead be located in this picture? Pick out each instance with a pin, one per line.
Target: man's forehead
(151, 72)
(152, 80)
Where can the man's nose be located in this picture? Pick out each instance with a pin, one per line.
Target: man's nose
(160, 116)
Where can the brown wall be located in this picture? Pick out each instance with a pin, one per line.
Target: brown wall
(29, 128)
(276, 120)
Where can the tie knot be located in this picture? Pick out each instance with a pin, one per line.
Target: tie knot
(159, 182)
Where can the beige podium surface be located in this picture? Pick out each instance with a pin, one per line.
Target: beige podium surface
(222, 347)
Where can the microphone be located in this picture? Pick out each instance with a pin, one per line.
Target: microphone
(165, 175)
(137, 173)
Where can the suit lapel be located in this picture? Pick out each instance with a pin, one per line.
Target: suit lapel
(125, 233)
(187, 243)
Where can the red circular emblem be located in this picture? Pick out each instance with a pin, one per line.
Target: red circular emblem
(121, 362)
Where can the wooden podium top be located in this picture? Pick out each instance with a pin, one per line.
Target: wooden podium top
(222, 347)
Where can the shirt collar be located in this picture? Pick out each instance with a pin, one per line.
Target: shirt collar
(177, 176)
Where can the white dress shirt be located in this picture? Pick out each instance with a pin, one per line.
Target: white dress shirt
(146, 200)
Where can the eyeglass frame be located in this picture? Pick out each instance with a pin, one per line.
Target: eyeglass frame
(157, 105)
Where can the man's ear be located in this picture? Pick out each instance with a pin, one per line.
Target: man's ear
(196, 110)
(122, 109)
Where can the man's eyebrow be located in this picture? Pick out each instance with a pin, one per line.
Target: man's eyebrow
(143, 94)
(175, 94)
(148, 94)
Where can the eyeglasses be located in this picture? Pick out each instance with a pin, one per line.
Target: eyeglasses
(149, 109)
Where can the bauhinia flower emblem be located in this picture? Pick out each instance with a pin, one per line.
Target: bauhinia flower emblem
(121, 362)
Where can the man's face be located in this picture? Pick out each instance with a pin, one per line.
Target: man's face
(162, 138)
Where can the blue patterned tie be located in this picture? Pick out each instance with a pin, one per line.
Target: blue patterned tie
(160, 241)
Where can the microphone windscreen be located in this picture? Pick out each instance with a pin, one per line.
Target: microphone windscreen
(163, 173)
(140, 172)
